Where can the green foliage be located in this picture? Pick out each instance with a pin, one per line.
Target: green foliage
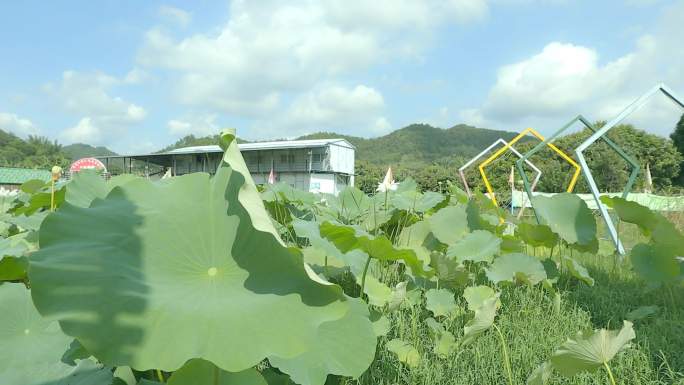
(302, 296)
(210, 284)
(33, 152)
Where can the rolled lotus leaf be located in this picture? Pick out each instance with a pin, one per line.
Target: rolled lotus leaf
(156, 274)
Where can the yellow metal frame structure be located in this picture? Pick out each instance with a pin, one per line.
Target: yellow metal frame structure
(521, 135)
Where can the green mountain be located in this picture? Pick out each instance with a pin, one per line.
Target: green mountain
(411, 146)
(81, 150)
(421, 143)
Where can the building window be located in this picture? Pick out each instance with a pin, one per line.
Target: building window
(316, 158)
(287, 158)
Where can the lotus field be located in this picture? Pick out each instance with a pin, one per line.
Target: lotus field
(202, 279)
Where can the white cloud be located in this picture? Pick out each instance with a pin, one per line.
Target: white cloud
(270, 52)
(85, 131)
(357, 110)
(102, 117)
(563, 80)
(175, 15)
(195, 125)
(19, 126)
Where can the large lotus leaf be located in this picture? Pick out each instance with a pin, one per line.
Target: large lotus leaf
(540, 375)
(192, 260)
(445, 342)
(449, 224)
(482, 214)
(342, 350)
(578, 271)
(478, 246)
(440, 302)
(476, 296)
(536, 235)
(568, 216)
(516, 267)
(347, 238)
(666, 235)
(31, 346)
(87, 185)
(655, 263)
(590, 350)
(201, 372)
(405, 352)
(483, 320)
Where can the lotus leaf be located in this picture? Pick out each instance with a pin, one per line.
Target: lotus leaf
(478, 246)
(13, 268)
(655, 263)
(201, 372)
(476, 296)
(642, 312)
(194, 260)
(590, 350)
(516, 267)
(88, 185)
(381, 324)
(450, 272)
(568, 216)
(449, 224)
(483, 320)
(405, 352)
(445, 342)
(578, 271)
(338, 350)
(347, 238)
(440, 302)
(32, 346)
(536, 235)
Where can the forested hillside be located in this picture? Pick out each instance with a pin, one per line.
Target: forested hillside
(33, 152)
(82, 150)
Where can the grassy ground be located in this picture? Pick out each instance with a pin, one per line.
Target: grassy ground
(533, 329)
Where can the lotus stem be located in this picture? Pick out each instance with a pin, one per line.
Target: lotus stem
(363, 277)
(610, 373)
(216, 375)
(507, 363)
(52, 196)
(160, 376)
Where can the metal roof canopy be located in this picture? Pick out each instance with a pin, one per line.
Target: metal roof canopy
(273, 145)
(579, 152)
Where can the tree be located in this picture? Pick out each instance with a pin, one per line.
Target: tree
(678, 141)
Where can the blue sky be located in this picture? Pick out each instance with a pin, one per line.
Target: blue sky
(136, 76)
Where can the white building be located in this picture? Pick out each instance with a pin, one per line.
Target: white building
(319, 165)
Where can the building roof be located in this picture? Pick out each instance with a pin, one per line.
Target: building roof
(14, 175)
(275, 145)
